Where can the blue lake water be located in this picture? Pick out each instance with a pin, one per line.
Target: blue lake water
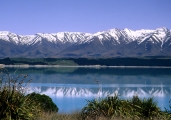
(70, 87)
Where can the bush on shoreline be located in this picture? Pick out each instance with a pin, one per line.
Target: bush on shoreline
(45, 101)
(15, 104)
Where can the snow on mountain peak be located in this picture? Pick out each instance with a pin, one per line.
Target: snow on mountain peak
(164, 29)
(72, 37)
(4, 32)
(4, 35)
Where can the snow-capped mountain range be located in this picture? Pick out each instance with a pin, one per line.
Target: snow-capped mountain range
(110, 43)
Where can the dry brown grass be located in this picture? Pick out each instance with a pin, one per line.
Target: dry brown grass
(60, 116)
(77, 116)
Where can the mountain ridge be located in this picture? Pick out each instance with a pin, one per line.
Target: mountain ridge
(109, 43)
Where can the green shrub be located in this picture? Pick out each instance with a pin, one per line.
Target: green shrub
(45, 101)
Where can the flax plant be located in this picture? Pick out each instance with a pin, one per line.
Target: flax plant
(112, 107)
(14, 105)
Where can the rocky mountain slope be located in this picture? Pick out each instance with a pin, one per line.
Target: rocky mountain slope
(110, 43)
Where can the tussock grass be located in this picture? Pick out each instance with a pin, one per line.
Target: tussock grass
(112, 107)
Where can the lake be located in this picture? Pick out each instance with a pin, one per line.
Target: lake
(70, 87)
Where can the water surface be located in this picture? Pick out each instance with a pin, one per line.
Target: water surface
(70, 87)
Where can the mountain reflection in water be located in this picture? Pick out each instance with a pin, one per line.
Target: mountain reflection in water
(79, 90)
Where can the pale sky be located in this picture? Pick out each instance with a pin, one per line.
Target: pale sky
(27, 17)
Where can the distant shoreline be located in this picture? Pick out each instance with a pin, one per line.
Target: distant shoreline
(85, 62)
(80, 66)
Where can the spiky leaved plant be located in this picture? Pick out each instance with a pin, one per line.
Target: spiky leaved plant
(113, 106)
(107, 107)
(14, 105)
